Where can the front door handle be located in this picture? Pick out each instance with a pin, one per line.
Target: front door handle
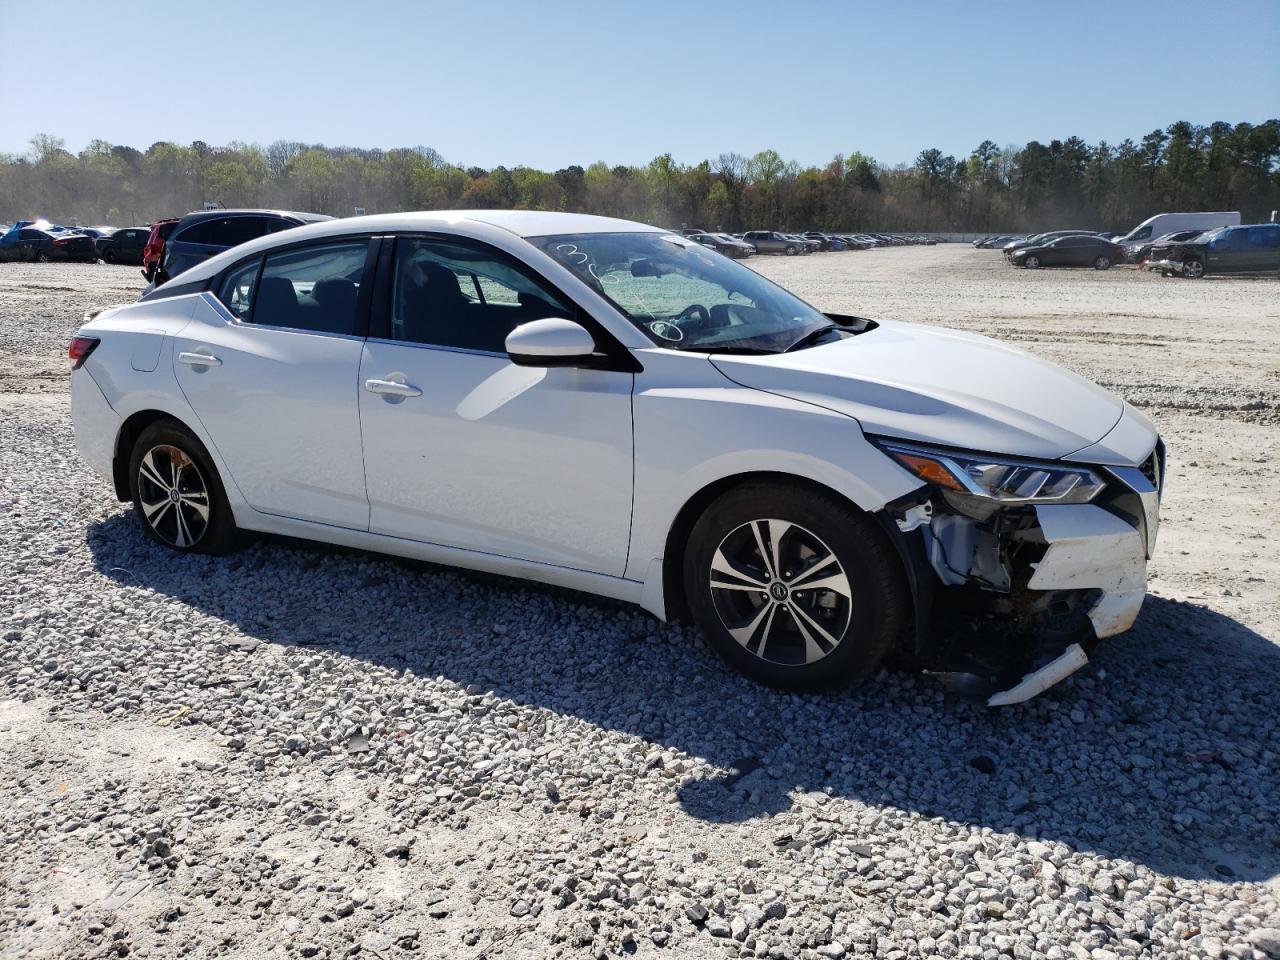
(199, 359)
(392, 388)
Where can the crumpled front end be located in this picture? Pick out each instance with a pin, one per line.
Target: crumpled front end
(1014, 598)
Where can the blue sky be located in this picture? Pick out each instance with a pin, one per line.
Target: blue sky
(551, 83)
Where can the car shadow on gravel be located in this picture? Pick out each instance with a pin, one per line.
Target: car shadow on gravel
(1164, 752)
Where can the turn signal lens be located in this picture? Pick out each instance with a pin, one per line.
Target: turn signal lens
(80, 349)
(930, 471)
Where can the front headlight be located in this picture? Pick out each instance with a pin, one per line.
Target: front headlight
(1001, 479)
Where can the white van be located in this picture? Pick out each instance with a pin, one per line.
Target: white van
(1163, 223)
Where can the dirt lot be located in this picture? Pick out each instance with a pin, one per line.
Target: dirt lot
(301, 752)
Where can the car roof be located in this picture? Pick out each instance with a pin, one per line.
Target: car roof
(521, 223)
(196, 216)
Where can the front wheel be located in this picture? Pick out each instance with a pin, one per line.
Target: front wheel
(1192, 268)
(109, 256)
(177, 495)
(1031, 263)
(1102, 263)
(793, 586)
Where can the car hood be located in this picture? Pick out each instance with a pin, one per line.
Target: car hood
(940, 386)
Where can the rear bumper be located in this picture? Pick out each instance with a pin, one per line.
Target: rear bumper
(96, 425)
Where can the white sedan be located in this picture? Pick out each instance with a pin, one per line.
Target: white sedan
(611, 407)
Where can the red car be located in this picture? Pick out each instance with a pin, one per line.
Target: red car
(154, 249)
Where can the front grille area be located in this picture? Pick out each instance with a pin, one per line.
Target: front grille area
(1153, 467)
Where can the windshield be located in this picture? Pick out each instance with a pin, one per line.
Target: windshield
(684, 296)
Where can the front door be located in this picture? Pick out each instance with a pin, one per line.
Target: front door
(270, 368)
(465, 449)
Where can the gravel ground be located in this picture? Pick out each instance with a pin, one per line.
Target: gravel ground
(297, 751)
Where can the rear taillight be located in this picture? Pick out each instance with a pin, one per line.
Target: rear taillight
(61, 243)
(80, 349)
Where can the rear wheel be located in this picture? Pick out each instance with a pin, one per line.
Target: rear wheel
(791, 251)
(1192, 268)
(177, 495)
(1102, 263)
(42, 257)
(793, 586)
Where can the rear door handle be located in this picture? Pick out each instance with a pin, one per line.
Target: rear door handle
(392, 388)
(199, 359)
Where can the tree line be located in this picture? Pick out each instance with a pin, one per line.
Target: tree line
(1063, 183)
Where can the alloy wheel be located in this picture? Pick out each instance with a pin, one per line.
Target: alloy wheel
(1032, 262)
(174, 496)
(1102, 263)
(780, 592)
(1193, 268)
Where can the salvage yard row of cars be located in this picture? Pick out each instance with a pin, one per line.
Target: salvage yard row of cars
(741, 245)
(1232, 248)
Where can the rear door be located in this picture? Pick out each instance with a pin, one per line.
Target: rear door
(1268, 247)
(269, 364)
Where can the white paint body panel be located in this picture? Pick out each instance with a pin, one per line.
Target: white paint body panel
(282, 409)
(532, 463)
(941, 386)
(1091, 549)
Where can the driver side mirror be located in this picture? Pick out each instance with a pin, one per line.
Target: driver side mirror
(553, 342)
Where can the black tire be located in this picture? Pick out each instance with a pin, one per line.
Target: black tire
(865, 626)
(1032, 263)
(109, 255)
(219, 533)
(42, 257)
(791, 251)
(1193, 268)
(1102, 263)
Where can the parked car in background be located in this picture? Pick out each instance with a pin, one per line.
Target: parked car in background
(1253, 248)
(744, 249)
(154, 249)
(995, 243)
(41, 244)
(807, 487)
(722, 243)
(770, 241)
(823, 240)
(1070, 251)
(124, 245)
(1043, 238)
(1163, 223)
(203, 234)
(1142, 251)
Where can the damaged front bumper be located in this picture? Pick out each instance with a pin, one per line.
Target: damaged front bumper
(1013, 602)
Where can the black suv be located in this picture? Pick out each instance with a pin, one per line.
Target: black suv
(1254, 248)
(198, 236)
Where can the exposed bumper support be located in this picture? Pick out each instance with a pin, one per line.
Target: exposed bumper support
(1038, 681)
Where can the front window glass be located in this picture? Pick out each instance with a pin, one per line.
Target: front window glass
(684, 296)
(457, 296)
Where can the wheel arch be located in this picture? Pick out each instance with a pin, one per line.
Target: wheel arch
(126, 437)
(674, 601)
